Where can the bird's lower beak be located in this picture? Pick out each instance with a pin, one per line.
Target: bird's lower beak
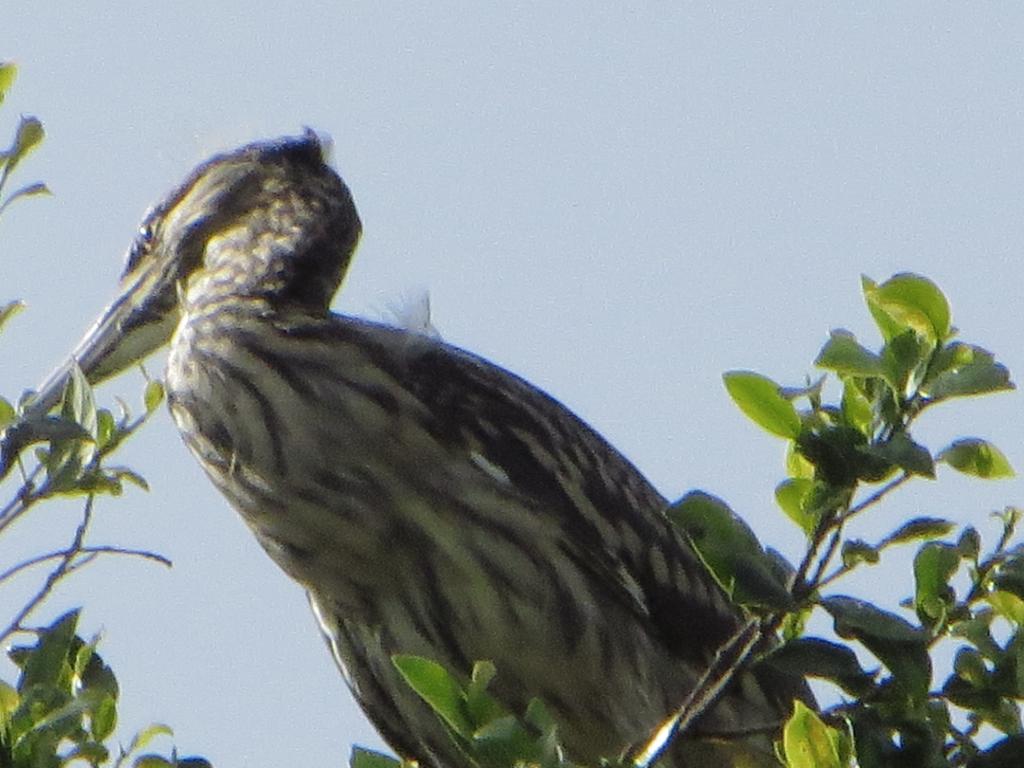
(119, 338)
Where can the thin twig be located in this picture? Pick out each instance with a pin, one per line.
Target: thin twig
(728, 661)
(99, 550)
(55, 575)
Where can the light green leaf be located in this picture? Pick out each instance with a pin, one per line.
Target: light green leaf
(103, 718)
(910, 301)
(856, 408)
(845, 356)
(974, 456)
(367, 758)
(918, 528)
(154, 395)
(8, 74)
(438, 688)
(147, 734)
(7, 414)
(152, 761)
(808, 743)
(934, 565)
(758, 397)
(793, 496)
(9, 310)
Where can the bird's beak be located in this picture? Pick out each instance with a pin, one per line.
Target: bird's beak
(136, 323)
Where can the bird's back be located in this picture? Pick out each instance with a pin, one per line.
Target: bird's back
(435, 504)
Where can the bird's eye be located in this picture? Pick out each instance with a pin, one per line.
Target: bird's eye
(139, 247)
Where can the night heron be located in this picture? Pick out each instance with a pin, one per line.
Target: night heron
(430, 502)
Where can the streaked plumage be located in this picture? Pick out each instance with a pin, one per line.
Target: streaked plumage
(429, 501)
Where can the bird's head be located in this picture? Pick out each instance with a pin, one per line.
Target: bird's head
(271, 221)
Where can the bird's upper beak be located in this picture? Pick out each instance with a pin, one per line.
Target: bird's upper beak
(140, 320)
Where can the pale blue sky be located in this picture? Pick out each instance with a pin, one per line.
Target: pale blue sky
(618, 203)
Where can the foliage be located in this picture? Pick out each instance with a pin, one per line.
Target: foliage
(63, 707)
(843, 459)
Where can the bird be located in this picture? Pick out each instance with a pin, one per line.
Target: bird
(430, 502)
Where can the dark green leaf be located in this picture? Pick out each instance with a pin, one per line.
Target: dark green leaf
(438, 688)
(814, 657)
(969, 545)
(47, 663)
(977, 457)
(904, 453)
(900, 646)
(856, 551)
(759, 398)
(961, 370)
(857, 618)
(844, 355)
(367, 758)
(1005, 753)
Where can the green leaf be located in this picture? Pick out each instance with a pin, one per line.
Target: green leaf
(857, 408)
(730, 550)
(153, 396)
(152, 761)
(974, 456)
(367, 758)
(903, 362)
(963, 370)
(807, 742)
(7, 414)
(904, 453)
(438, 688)
(758, 397)
(855, 551)
(8, 74)
(103, 719)
(844, 355)
(814, 657)
(9, 310)
(47, 663)
(902, 647)
(857, 618)
(1004, 753)
(913, 302)
(918, 528)
(147, 734)
(27, 137)
(934, 565)
(35, 189)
